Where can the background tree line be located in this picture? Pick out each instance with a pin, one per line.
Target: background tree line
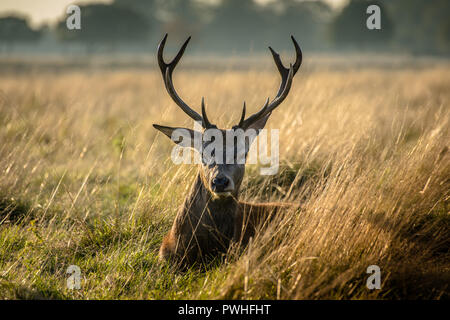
(416, 26)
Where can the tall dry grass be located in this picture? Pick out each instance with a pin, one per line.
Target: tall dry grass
(86, 180)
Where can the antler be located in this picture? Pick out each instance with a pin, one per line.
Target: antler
(287, 74)
(167, 70)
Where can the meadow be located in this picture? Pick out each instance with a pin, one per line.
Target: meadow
(85, 180)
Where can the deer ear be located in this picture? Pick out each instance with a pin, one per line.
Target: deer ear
(181, 136)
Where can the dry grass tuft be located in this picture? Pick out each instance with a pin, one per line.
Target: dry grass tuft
(86, 180)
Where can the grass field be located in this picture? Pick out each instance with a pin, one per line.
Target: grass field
(86, 181)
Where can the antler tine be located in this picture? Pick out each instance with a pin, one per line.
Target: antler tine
(287, 75)
(205, 123)
(269, 107)
(244, 124)
(279, 99)
(167, 70)
(282, 69)
(241, 122)
(161, 63)
(298, 55)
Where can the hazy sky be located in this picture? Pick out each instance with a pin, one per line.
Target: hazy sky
(41, 11)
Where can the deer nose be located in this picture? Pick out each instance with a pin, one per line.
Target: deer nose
(220, 183)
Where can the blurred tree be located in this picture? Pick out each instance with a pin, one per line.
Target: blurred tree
(147, 8)
(306, 20)
(348, 28)
(181, 17)
(177, 17)
(421, 26)
(444, 37)
(106, 25)
(237, 25)
(243, 25)
(15, 30)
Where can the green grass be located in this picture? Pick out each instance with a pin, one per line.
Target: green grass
(86, 181)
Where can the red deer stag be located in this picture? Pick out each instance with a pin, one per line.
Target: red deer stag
(211, 215)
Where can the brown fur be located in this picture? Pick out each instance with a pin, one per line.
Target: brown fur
(205, 225)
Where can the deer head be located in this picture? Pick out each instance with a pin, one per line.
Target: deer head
(222, 170)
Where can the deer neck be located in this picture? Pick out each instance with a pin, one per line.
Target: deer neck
(205, 223)
(206, 203)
